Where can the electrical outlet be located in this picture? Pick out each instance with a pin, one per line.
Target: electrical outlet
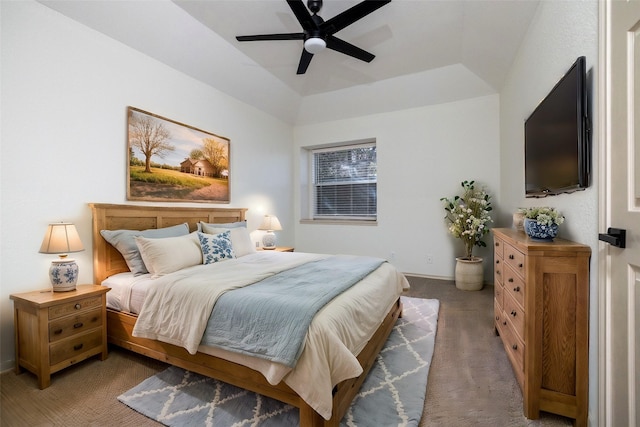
(429, 259)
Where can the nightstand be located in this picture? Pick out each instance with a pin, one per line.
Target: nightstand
(54, 330)
(279, 249)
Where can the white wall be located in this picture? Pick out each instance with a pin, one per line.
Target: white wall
(560, 32)
(423, 155)
(65, 89)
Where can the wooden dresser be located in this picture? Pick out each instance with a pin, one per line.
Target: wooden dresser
(542, 316)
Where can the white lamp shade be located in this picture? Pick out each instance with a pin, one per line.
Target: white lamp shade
(61, 238)
(270, 223)
(314, 45)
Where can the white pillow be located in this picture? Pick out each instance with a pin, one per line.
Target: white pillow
(240, 238)
(169, 254)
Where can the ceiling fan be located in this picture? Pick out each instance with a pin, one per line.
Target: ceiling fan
(318, 33)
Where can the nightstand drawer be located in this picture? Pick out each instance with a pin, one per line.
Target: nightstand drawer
(67, 349)
(72, 325)
(74, 306)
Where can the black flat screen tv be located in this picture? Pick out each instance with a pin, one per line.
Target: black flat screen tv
(557, 138)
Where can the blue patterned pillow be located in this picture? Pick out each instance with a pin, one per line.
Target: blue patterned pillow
(216, 247)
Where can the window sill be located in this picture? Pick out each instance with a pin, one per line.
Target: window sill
(339, 222)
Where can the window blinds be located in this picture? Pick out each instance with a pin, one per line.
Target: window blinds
(345, 182)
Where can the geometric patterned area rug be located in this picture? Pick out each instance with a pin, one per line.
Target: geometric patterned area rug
(393, 393)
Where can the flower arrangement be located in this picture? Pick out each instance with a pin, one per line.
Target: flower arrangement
(468, 215)
(543, 215)
(541, 223)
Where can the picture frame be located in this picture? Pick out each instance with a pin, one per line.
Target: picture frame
(168, 161)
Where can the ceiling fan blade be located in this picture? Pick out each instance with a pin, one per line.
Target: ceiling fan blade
(305, 59)
(259, 37)
(342, 46)
(351, 15)
(302, 14)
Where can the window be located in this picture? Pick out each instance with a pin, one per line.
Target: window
(344, 182)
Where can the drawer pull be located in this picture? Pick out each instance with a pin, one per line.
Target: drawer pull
(510, 279)
(513, 313)
(78, 346)
(497, 261)
(511, 256)
(497, 317)
(514, 346)
(520, 265)
(57, 332)
(504, 323)
(497, 244)
(78, 325)
(77, 306)
(516, 289)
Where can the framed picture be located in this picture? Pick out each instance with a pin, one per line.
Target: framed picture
(172, 162)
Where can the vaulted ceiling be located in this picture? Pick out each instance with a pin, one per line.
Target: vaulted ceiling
(427, 51)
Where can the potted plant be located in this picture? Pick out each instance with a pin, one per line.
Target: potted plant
(467, 217)
(541, 223)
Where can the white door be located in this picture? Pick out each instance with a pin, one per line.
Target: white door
(620, 366)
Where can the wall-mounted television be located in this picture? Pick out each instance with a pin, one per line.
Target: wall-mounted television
(557, 138)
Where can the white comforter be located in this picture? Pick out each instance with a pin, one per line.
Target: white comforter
(178, 305)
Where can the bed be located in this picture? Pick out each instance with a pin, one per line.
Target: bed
(109, 265)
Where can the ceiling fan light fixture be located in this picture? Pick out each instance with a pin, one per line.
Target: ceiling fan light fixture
(314, 45)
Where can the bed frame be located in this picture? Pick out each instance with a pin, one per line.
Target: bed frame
(108, 261)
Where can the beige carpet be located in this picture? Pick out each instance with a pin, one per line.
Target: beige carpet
(470, 380)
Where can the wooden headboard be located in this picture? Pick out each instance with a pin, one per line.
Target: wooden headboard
(107, 261)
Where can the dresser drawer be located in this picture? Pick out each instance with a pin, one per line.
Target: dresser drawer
(498, 292)
(514, 347)
(71, 325)
(515, 314)
(497, 271)
(514, 285)
(514, 259)
(67, 349)
(74, 307)
(498, 246)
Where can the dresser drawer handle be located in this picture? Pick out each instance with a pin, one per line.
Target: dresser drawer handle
(497, 317)
(57, 332)
(78, 346)
(516, 289)
(513, 313)
(504, 323)
(511, 257)
(78, 325)
(520, 265)
(497, 244)
(77, 306)
(514, 346)
(497, 261)
(510, 279)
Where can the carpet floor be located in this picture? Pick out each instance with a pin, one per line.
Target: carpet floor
(470, 380)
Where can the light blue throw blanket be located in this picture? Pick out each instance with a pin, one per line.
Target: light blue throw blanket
(270, 318)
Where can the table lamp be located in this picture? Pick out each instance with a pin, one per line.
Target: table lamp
(62, 238)
(269, 223)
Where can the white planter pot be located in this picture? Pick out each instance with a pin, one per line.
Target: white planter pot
(469, 273)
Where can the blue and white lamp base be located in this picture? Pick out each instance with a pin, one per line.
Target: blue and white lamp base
(64, 275)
